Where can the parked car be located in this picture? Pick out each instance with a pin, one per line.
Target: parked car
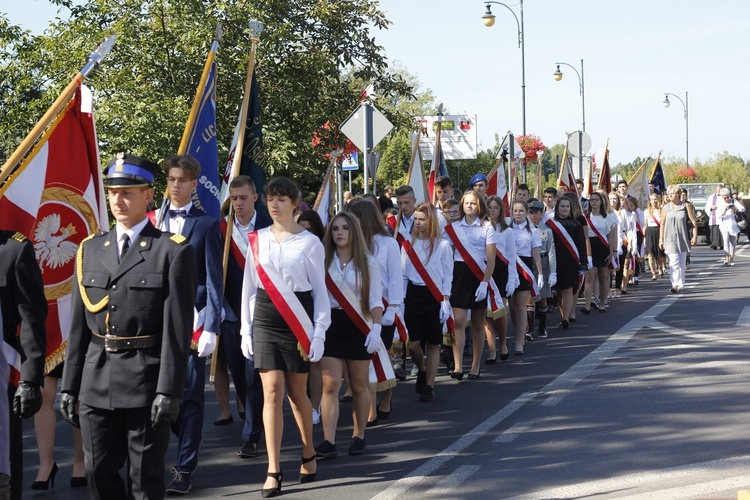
(698, 194)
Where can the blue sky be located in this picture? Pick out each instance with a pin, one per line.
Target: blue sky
(633, 52)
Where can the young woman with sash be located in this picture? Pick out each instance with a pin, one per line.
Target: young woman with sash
(615, 203)
(630, 240)
(355, 292)
(505, 276)
(603, 250)
(385, 249)
(570, 249)
(527, 255)
(285, 315)
(549, 270)
(427, 263)
(656, 256)
(473, 240)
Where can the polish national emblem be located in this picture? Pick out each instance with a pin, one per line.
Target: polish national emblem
(51, 242)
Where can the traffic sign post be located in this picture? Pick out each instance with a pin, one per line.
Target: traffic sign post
(366, 127)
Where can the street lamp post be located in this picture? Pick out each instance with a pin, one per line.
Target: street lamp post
(558, 76)
(666, 104)
(489, 20)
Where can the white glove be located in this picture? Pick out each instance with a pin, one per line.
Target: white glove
(373, 340)
(589, 263)
(389, 316)
(223, 314)
(511, 286)
(539, 281)
(481, 292)
(246, 345)
(445, 311)
(552, 279)
(317, 347)
(619, 251)
(206, 344)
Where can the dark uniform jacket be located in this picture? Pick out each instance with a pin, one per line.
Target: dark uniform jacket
(151, 292)
(23, 303)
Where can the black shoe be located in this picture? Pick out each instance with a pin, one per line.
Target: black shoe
(77, 482)
(180, 484)
(307, 478)
(326, 449)
(357, 446)
(529, 337)
(563, 324)
(421, 381)
(373, 423)
(474, 377)
(673, 290)
(572, 320)
(223, 421)
(49, 482)
(457, 375)
(383, 414)
(242, 415)
(345, 399)
(543, 334)
(428, 395)
(248, 450)
(491, 361)
(586, 311)
(272, 492)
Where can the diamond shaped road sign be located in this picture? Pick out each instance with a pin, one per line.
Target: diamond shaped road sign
(354, 127)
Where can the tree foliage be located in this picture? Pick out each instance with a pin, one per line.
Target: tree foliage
(312, 59)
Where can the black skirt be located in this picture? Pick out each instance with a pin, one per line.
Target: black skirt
(422, 315)
(344, 340)
(500, 275)
(274, 344)
(464, 288)
(652, 242)
(599, 252)
(525, 285)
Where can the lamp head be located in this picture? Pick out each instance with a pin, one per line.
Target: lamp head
(488, 18)
(557, 75)
(666, 102)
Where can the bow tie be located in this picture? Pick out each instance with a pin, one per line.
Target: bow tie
(177, 213)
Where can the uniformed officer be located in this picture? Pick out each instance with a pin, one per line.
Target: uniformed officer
(23, 304)
(131, 323)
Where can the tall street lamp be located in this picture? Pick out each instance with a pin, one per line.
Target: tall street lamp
(489, 20)
(558, 76)
(666, 104)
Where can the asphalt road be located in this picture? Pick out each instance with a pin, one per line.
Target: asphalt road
(647, 401)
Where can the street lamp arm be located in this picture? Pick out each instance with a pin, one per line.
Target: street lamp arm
(580, 80)
(684, 106)
(518, 23)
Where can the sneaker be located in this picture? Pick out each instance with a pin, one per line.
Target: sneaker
(326, 449)
(595, 303)
(249, 450)
(636, 280)
(414, 371)
(606, 304)
(542, 334)
(421, 382)
(316, 417)
(357, 446)
(529, 337)
(428, 394)
(180, 484)
(398, 370)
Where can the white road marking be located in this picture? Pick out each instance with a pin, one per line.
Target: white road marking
(688, 477)
(744, 319)
(512, 432)
(448, 485)
(705, 273)
(558, 389)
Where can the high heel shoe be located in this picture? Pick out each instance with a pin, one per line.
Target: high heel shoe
(49, 483)
(382, 414)
(457, 375)
(304, 477)
(272, 492)
(474, 377)
(77, 482)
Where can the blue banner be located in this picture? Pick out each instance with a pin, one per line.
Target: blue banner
(658, 180)
(253, 155)
(202, 146)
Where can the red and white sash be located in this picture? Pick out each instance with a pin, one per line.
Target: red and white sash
(599, 235)
(238, 246)
(476, 265)
(398, 229)
(429, 280)
(525, 272)
(403, 333)
(283, 298)
(656, 221)
(381, 371)
(565, 237)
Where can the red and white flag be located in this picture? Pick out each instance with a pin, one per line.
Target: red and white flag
(497, 185)
(56, 199)
(566, 179)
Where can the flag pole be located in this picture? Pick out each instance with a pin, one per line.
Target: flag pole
(193, 111)
(335, 154)
(92, 62)
(653, 170)
(255, 29)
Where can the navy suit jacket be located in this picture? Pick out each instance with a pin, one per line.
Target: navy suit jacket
(203, 234)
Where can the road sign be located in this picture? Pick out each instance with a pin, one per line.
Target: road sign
(354, 127)
(505, 146)
(350, 162)
(573, 145)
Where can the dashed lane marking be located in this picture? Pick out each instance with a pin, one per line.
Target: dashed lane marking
(448, 485)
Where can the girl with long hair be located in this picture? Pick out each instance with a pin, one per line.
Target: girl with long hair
(656, 256)
(603, 250)
(527, 253)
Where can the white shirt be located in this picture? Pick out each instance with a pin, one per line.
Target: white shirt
(439, 264)
(132, 233)
(388, 257)
(650, 215)
(245, 230)
(602, 224)
(351, 278)
(300, 260)
(175, 224)
(506, 243)
(407, 222)
(526, 240)
(479, 235)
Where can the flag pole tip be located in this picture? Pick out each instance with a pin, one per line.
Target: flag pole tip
(219, 32)
(256, 28)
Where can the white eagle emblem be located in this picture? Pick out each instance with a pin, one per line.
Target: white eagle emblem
(51, 248)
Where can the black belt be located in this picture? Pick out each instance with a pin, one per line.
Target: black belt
(115, 344)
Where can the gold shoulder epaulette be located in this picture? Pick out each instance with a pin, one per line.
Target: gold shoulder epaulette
(178, 238)
(19, 237)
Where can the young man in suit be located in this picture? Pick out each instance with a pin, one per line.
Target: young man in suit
(23, 304)
(131, 321)
(203, 234)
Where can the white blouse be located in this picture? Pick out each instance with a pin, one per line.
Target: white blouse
(650, 215)
(352, 279)
(388, 257)
(602, 224)
(479, 235)
(526, 240)
(506, 243)
(300, 261)
(439, 264)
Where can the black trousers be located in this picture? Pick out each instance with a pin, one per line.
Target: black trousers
(16, 449)
(112, 436)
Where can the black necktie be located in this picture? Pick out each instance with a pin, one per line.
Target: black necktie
(125, 246)
(177, 213)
